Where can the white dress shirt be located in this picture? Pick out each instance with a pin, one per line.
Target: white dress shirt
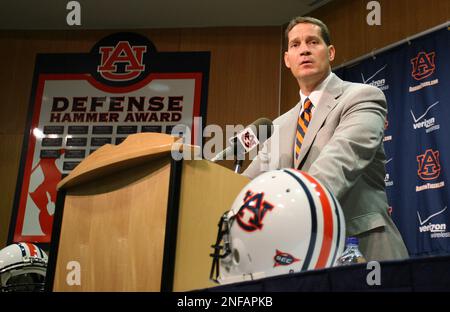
(315, 95)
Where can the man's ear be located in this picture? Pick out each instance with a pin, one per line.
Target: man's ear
(286, 60)
(331, 53)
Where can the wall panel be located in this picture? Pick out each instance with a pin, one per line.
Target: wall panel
(10, 147)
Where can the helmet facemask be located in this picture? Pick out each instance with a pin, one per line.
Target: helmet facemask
(222, 248)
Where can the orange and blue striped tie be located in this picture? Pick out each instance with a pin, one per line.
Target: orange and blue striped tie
(302, 125)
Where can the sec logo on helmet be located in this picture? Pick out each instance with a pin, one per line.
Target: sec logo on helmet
(283, 258)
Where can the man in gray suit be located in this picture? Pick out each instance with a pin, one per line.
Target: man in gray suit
(335, 133)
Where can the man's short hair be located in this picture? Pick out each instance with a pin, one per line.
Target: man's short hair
(310, 20)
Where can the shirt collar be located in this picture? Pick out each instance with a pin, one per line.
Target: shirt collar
(317, 93)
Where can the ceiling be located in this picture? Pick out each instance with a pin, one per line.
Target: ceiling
(132, 14)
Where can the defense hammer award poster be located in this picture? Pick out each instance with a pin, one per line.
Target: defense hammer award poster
(80, 102)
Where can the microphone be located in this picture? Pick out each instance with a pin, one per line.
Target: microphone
(247, 139)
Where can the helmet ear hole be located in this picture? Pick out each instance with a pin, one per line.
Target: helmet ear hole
(236, 256)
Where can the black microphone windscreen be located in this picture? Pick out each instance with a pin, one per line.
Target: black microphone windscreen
(263, 125)
(262, 121)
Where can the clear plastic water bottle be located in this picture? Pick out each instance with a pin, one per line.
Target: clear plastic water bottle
(351, 254)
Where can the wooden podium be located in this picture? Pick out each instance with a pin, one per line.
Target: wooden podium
(133, 219)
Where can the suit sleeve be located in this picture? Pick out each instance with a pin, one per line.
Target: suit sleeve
(254, 169)
(355, 141)
(269, 156)
(261, 163)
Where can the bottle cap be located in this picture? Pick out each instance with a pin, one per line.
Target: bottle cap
(352, 241)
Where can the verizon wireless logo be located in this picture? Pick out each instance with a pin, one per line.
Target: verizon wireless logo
(421, 122)
(379, 83)
(436, 230)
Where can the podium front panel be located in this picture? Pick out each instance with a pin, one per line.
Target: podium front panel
(207, 191)
(114, 228)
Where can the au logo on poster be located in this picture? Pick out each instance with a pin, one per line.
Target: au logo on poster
(122, 62)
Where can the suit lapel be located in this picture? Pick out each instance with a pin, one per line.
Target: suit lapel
(327, 102)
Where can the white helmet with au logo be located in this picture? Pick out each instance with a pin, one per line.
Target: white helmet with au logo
(283, 221)
(22, 268)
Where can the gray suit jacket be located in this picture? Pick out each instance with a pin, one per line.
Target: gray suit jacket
(343, 148)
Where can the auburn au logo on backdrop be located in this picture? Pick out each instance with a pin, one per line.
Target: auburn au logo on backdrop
(387, 137)
(429, 168)
(423, 66)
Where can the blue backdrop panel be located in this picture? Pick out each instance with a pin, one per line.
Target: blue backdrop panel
(415, 77)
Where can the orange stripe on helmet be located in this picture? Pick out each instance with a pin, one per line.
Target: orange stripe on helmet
(32, 249)
(327, 240)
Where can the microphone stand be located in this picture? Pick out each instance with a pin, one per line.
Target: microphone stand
(238, 165)
(240, 156)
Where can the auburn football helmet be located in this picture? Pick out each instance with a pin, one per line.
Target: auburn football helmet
(22, 268)
(283, 221)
